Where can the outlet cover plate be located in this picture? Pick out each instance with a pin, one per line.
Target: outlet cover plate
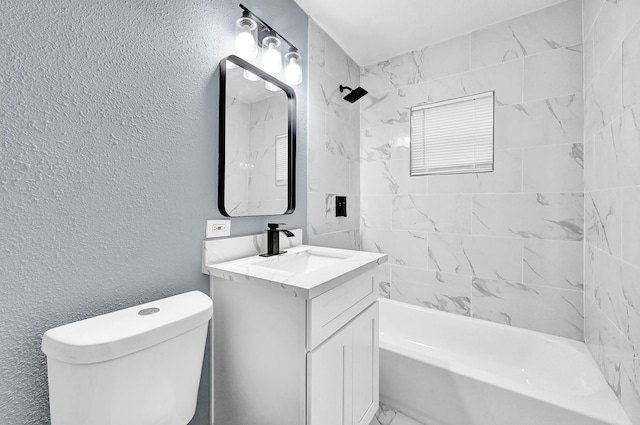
(218, 228)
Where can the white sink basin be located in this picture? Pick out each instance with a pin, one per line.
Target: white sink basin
(302, 262)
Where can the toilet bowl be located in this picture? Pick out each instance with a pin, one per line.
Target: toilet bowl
(140, 365)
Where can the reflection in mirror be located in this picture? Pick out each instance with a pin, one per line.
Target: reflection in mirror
(257, 139)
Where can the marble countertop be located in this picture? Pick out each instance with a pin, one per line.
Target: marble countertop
(300, 284)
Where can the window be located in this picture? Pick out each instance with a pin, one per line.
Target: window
(453, 136)
(282, 160)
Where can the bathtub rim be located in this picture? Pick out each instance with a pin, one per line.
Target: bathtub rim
(609, 405)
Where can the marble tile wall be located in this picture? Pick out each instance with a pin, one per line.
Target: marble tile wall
(505, 246)
(334, 144)
(612, 194)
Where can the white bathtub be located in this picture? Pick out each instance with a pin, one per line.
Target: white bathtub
(443, 369)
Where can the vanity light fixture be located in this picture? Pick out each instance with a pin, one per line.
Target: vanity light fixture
(271, 56)
(246, 36)
(292, 69)
(271, 87)
(250, 75)
(252, 32)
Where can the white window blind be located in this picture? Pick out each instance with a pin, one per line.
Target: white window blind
(282, 160)
(453, 136)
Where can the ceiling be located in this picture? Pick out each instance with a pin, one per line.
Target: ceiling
(374, 30)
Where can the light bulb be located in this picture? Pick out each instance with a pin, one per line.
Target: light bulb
(293, 71)
(246, 46)
(270, 86)
(250, 75)
(271, 57)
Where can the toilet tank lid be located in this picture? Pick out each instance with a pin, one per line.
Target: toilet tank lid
(126, 331)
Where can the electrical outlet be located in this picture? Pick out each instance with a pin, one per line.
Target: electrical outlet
(218, 228)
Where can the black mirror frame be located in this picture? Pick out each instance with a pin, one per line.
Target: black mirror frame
(291, 107)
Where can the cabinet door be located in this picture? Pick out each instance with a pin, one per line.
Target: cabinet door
(365, 366)
(329, 385)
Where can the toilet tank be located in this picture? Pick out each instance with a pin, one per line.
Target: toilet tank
(140, 365)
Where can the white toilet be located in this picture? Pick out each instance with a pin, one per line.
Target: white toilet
(140, 365)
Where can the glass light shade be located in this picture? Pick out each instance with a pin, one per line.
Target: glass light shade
(292, 70)
(246, 30)
(250, 76)
(270, 86)
(271, 56)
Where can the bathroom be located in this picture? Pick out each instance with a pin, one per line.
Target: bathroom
(110, 124)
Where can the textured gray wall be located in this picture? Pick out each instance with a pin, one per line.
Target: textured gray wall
(108, 144)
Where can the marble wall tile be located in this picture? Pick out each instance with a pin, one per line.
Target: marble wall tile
(346, 239)
(324, 92)
(375, 144)
(504, 78)
(342, 139)
(335, 224)
(589, 160)
(628, 148)
(317, 43)
(404, 247)
(557, 264)
(339, 65)
(553, 74)
(316, 213)
(541, 122)
(590, 9)
(611, 350)
(556, 216)
(537, 139)
(538, 308)
(392, 107)
(629, 303)
(506, 177)
(550, 28)
(603, 220)
(375, 211)
(432, 213)
(376, 78)
(588, 61)
(630, 388)
(486, 257)
(427, 288)
(617, 152)
(609, 29)
(589, 283)
(631, 68)
(607, 287)
(555, 168)
(630, 224)
(382, 280)
(400, 141)
(446, 58)
(328, 173)
(603, 96)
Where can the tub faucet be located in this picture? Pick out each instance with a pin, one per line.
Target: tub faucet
(273, 239)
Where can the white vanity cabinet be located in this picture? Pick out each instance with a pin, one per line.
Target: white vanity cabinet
(287, 355)
(342, 374)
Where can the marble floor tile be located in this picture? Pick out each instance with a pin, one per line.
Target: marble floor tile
(389, 416)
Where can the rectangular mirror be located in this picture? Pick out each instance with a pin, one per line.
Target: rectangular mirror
(256, 170)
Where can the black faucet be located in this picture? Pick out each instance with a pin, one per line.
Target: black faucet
(273, 239)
